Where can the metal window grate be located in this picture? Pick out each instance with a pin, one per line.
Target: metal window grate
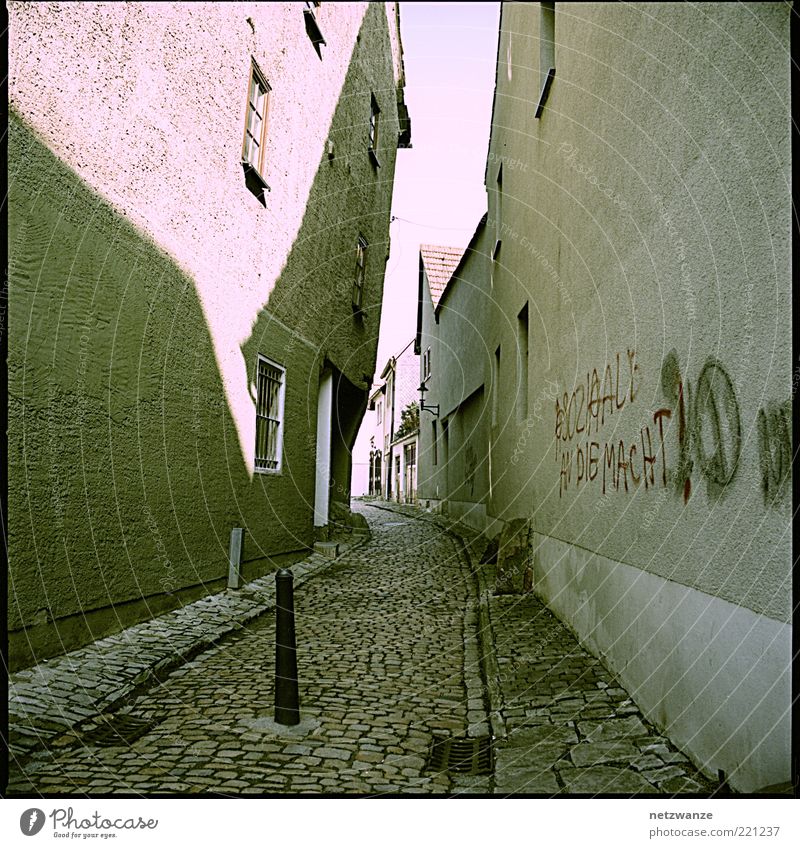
(462, 755)
(268, 416)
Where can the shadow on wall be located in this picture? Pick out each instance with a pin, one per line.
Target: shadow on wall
(350, 198)
(126, 474)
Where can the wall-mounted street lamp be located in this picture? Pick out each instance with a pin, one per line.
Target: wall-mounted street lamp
(432, 408)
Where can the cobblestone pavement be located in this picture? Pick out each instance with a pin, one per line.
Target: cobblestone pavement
(563, 723)
(381, 659)
(572, 728)
(65, 692)
(394, 645)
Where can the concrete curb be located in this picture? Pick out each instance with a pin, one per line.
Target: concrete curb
(59, 696)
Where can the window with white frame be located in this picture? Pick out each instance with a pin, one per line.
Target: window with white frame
(358, 282)
(255, 130)
(270, 390)
(380, 412)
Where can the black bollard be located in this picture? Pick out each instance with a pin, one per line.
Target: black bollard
(287, 699)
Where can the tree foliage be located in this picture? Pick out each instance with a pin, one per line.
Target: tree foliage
(409, 421)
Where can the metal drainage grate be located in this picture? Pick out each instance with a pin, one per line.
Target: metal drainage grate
(462, 755)
(121, 729)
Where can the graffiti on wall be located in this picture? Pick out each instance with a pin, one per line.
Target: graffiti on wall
(775, 450)
(709, 425)
(709, 433)
(584, 457)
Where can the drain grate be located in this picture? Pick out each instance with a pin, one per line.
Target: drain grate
(462, 755)
(122, 729)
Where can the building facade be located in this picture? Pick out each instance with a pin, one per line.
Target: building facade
(638, 354)
(393, 454)
(453, 320)
(198, 237)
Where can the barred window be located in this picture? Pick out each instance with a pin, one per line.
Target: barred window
(269, 415)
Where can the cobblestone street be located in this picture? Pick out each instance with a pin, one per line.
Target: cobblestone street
(388, 656)
(381, 666)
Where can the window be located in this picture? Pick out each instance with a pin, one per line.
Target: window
(498, 220)
(255, 132)
(380, 412)
(256, 126)
(547, 51)
(495, 385)
(498, 212)
(426, 366)
(358, 282)
(435, 443)
(374, 114)
(522, 388)
(312, 26)
(270, 388)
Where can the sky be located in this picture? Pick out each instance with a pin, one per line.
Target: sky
(449, 53)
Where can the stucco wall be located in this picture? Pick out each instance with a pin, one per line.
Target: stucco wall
(689, 120)
(460, 369)
(645, 220)
(145, 280)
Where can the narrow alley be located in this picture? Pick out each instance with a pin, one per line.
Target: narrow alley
(388, 660)
(474, 318)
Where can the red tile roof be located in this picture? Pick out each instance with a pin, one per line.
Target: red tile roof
(439, 261)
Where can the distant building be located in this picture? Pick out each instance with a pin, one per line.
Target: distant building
(393, 456)
(199, 200)
(455, 304)
(631, 381)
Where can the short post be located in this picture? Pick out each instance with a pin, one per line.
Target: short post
(235, 558)
(287, 699)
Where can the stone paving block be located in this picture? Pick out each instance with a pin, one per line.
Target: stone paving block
(541, 757)
(548, 734)
(662, 774)
(531, 781)
(596, 753)
(647, 762)
(604, 780)
(612, 729)
(681, 785)
(674, 757)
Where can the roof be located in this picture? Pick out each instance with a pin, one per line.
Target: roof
(464, 256)
(439, 261)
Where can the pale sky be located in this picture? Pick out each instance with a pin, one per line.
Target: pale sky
(449, 53)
